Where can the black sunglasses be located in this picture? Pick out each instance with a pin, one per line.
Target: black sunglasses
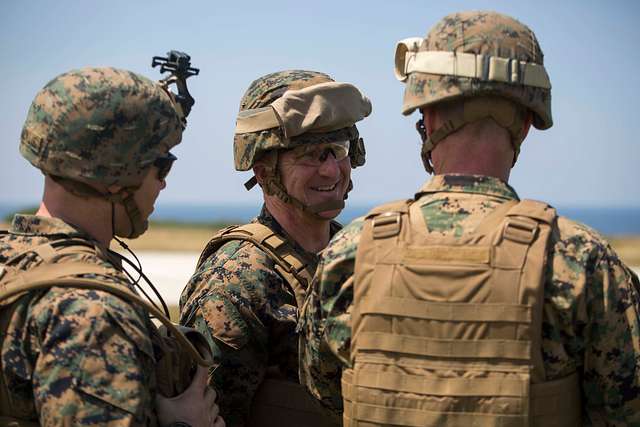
(164, 164)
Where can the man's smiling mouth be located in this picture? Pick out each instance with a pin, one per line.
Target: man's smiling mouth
(325, 187)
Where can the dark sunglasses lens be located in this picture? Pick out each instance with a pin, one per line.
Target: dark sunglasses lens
(164, 164)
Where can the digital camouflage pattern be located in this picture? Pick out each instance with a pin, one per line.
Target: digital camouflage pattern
(591, 322)
(248, 313)
(248, 147)
(100, 125)
(73, 356)
(481, 33)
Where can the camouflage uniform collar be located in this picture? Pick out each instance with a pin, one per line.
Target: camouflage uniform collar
(266, 218)
(476, 184)
(44, 226)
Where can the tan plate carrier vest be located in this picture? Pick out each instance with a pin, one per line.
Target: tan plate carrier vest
(447, 331)
(16, 283)
(277, 401)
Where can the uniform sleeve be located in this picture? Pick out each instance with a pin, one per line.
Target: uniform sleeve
(227, 301)
(596, 301)
(325, 323)
(611, 379)
(92, 360)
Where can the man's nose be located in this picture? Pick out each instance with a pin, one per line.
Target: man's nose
(329, 167)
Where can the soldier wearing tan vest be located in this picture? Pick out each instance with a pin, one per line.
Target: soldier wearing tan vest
(465, 305)
(78, 346)
(296, 131)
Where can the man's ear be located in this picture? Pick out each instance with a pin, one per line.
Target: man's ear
(260, 172)
(428, 115)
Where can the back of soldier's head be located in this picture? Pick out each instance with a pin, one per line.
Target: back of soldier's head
(487, 61)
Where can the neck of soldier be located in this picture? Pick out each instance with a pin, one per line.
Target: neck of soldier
(481, 148)
(91, 215)
(308, 231)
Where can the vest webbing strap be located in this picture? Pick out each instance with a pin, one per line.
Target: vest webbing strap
(550, 401)
(38, 281)
(383, 415)
(455, 312)
(289, 264)
(487, 348)
(21, 282)
(444, 386)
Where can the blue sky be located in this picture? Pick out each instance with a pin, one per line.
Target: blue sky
(589, 158)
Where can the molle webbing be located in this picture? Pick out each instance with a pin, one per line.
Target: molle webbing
(289, 264)
(447, 331)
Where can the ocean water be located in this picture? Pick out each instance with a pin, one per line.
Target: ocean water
(607, 220)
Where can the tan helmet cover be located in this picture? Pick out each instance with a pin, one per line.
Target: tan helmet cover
(320, 108)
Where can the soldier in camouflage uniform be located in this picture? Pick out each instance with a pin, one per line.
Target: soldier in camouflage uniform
(387, 311)
(77, 356)
(296, 130)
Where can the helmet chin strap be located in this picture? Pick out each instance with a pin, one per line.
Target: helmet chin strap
(138, 224)
(505, 113)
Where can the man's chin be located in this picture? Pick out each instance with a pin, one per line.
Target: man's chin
(329, 215)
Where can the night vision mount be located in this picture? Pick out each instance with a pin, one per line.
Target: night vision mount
(179, 65)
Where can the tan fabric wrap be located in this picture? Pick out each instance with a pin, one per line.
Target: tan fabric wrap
(458, 64)
(447, 331)
(286, 402)
(324, 107)
(290, 265)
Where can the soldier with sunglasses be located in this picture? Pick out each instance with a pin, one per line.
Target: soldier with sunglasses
(78, 346)
(296, 131)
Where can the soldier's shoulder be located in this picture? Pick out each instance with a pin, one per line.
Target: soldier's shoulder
(237, 267)
(237, 253)
(579, 241)
(345, 242)
(95, 310)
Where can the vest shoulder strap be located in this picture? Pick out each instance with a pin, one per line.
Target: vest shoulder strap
(386, 220)
(291, 265)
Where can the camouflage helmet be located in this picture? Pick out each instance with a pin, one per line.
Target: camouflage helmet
(292, 108)
(248, 147)
(99, 126)
(472, 54)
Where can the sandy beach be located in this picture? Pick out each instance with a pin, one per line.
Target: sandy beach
(168, 271)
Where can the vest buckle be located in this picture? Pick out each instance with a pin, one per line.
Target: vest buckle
(520, 230)
(386, 225)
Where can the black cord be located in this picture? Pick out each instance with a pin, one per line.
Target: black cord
(137, 268)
